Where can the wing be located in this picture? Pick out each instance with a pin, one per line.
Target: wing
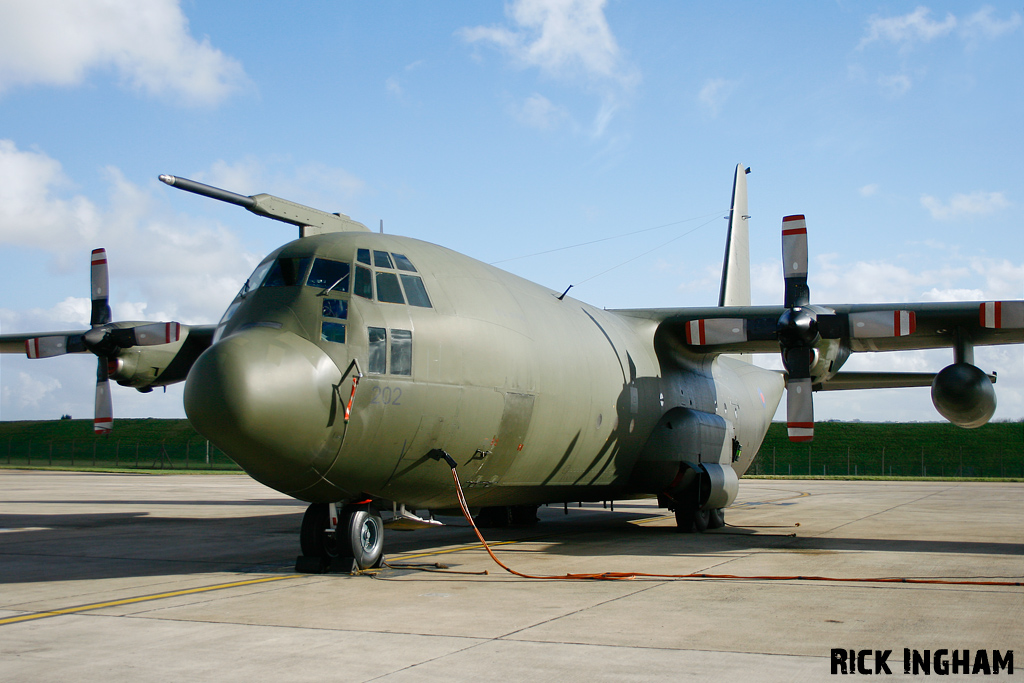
(864, 327)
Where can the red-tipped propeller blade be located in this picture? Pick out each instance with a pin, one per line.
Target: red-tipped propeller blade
(103, 422)
(799, 410)
(794, 260)
(46, 347)
(157, 333)
(882, 324)
(716, 331)
(100, 282)
(1002, 315)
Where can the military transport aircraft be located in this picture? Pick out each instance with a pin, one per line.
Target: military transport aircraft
(350, 363)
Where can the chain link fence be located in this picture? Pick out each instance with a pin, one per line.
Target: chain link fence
(106, 452)
(896, 450)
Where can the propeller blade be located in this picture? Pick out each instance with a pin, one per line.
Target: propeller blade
(46, 347)
(799, 410)
(716, 331)
(1002, 315)
(100, 288)
(103, 422)
(794, 260)
(882, 324)
(799, 404)
(157, 333)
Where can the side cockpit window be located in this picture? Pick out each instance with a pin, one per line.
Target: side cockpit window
(400, 347)
(287, 272)
(378, 347)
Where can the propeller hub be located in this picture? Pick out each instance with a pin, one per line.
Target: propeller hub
(97, 341)
(798, 326)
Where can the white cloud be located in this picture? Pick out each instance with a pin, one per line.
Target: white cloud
(714, 94)
(982, 24)
(918, 26)
(905, 30)
(394, 87)
(566, 40)
(394, 84)
(189, 268)
(561, 37)
(29, 391)
(163, 266)
(869, 190)
(961, 206)
(895, 85)
(539, 112)
(147, 44)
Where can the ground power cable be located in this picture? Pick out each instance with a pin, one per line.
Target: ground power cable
(629, 576)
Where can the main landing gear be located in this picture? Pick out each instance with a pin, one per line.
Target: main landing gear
(690, 519)
(356, 543)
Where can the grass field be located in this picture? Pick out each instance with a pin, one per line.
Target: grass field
(926, 449)
(134, 444)
(919, 449)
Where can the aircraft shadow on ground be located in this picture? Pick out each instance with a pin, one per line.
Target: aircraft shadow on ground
(69, 547)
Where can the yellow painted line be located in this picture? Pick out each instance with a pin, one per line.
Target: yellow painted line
(143, 598)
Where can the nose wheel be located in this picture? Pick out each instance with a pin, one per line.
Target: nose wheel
(356, 543)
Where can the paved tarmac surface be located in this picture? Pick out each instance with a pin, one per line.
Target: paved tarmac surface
(140, 578)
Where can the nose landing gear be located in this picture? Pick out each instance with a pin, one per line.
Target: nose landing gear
(355, 543)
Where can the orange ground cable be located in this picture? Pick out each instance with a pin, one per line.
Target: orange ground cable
(628, 576)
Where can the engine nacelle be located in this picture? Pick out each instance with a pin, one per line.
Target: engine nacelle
(145, 367)
(964, 395)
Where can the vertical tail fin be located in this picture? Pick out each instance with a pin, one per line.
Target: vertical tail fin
(736, 268)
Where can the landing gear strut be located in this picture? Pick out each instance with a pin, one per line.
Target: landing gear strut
(356, 543)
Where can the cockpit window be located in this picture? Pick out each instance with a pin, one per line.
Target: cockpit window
(402, 263)
(287, 272)
(381, 259)
(363, 256)
(363, 285)
(415, 291)
(378, 349)
(332, 332)
(388, 290)
(401, 352)
(256, 279)
(330, 276)
(335, 308)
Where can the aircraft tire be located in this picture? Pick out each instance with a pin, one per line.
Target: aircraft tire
(524, 515)
(701, 520)
(311, 533)
(496, 517)
(684, 520)
(365, 538)
(717, 518)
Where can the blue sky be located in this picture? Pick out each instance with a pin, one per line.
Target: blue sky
(503, 130)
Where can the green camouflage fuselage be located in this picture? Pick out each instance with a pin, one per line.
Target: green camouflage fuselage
(538, 399)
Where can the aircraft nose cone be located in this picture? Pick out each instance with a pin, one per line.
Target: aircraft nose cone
(266, 398)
